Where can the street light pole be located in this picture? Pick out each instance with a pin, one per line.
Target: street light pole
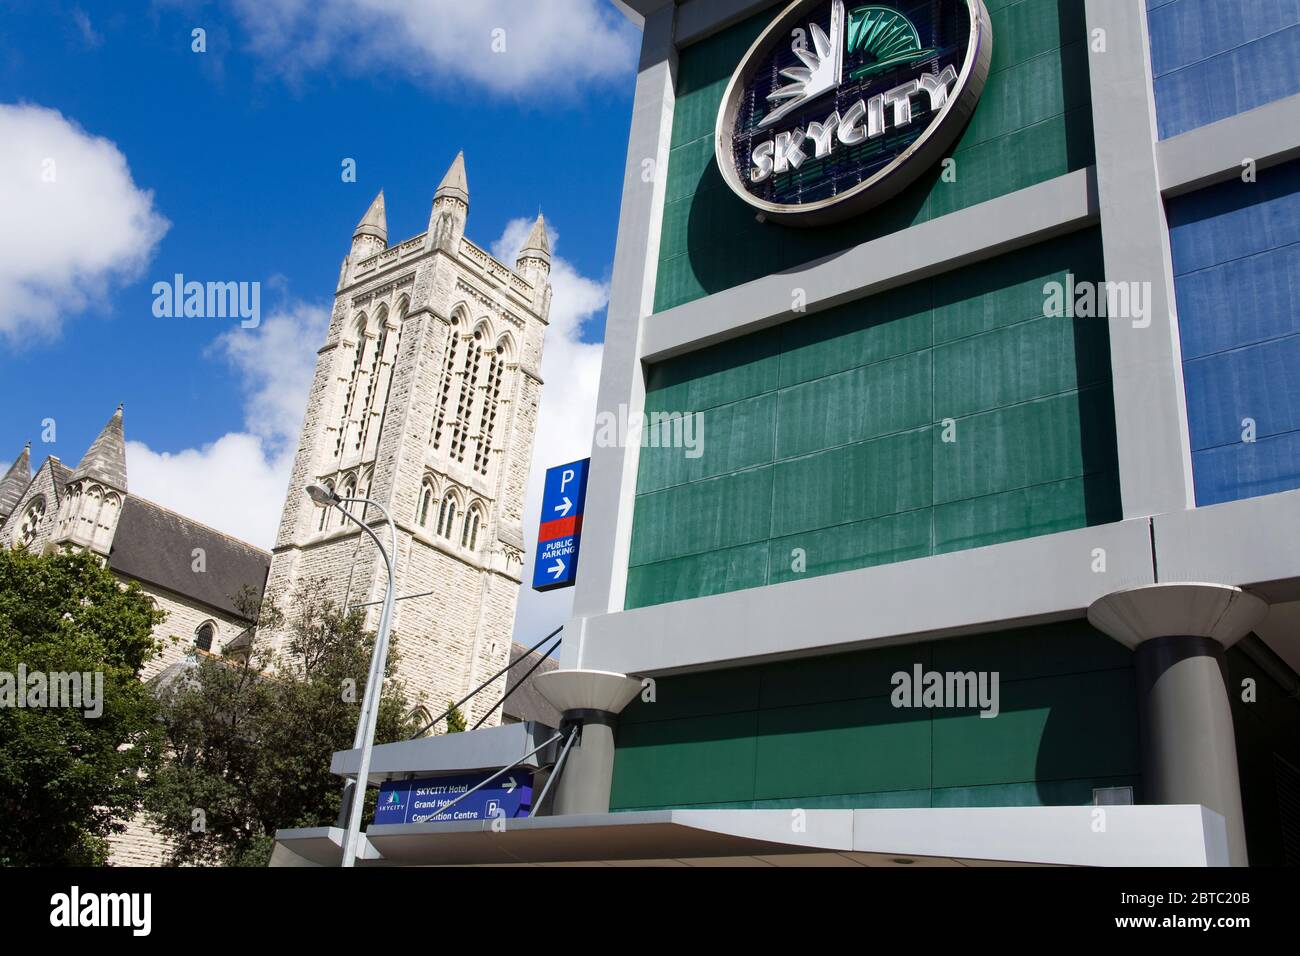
(354, 792)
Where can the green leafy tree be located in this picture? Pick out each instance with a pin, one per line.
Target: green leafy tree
(250, 738)
(67, 780)
(456, 722)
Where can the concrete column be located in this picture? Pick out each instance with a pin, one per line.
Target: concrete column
(1155, 459)
(1178, 633)
(611, 485)
(590, 702)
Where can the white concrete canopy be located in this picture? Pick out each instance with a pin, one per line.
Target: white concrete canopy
(966, 836)
(1218, 611)
(587, 690)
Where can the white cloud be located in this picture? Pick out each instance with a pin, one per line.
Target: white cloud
(87, 29)
(237, 484)
(276, 363)
(571, 371)
(77, 221)
(516, 47)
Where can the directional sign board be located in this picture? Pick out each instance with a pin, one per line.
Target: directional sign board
(422, 801)
(555, 565)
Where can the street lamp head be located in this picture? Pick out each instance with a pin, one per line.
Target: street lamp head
(323, 495)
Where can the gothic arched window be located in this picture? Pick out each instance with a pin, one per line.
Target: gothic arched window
(107, 520)
(491, 401)
(448, 377)
(325, 512)
(465, 403)
(426, 502)
(349, 394)
(204, 634)
(31, 522)
(469, 532)
(377, 381)
(446, 516)
(90, 505)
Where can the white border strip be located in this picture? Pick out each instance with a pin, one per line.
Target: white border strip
(1022, 218)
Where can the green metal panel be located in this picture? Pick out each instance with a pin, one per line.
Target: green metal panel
(1049, 728)
(703, 516)
(802, 750)
(1033, 122)
(946, 414)
(698, 575)
(823, 731)
(688, 761)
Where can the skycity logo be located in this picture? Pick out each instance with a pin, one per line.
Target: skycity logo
(885, 39)
(950, 690)
(211, 300)
(73, 909)
(786, 150)
(882, 89)
(73, 690)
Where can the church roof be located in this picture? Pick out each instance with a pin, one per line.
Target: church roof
(537, 245)
(375, 221)
(106, 459)
(455, 184)
(156, 546)
(15, 481)
(61, 475)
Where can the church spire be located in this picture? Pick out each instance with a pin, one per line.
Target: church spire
(450, 209)
(15, 482)
(371, 234)
(105, 460)
(534, 264)
(454, 184)
(374, 222)
(537, 246)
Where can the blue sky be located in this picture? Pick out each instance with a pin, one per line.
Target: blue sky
(226, 165)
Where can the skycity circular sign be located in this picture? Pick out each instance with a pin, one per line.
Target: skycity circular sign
(836, 108)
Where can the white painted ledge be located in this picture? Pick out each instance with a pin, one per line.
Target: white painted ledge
(973, 234)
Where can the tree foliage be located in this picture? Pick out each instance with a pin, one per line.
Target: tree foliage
(250, 739)
(67, 781)
(456, 722)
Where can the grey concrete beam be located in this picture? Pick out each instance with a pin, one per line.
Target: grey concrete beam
(1033, 580)
(1146, 361)
(698, 19)
(638, 10)
(486, 749)
(1253, 543)
(611, 485)
(1214, 153)
(1000, 225)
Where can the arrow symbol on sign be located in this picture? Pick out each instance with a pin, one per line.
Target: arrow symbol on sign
(565, 508)
(510, 785)
(557, 568)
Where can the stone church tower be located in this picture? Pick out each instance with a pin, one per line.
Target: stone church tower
(425, 400)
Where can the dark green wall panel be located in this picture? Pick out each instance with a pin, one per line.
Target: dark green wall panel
(1049, 728)
(689, 761)
(823, 732)
(1033, 122)
(824, 440)
(803, 750)
(698, 575)
(703, 516)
